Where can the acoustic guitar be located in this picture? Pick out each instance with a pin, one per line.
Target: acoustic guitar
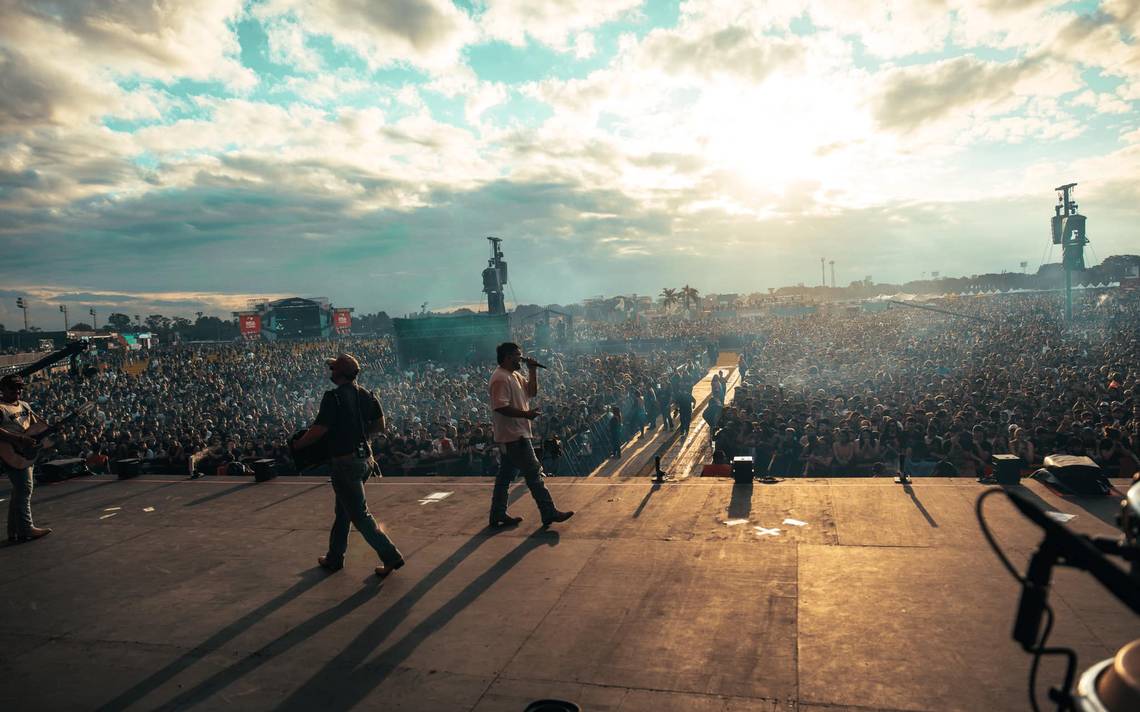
(309, 457)
(20, 458)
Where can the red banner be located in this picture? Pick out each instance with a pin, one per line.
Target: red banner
(342, 321)
(250, 326)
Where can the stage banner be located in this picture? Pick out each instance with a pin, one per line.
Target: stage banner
(342, 321)
(250, 326)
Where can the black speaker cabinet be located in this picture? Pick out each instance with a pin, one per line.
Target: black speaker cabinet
(1007, 469)
(127, 468)
(742, 469)
(263, 469)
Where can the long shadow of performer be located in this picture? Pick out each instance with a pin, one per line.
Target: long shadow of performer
(346, 680)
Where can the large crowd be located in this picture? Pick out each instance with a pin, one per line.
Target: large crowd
(203, 408)
(927, 393)
(848, 392)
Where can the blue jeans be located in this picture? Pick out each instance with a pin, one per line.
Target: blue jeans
(20, 501)
(351, 507)
(519, 457)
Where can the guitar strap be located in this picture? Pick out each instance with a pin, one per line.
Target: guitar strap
(373, 466)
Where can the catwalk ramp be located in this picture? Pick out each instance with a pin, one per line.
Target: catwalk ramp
(811, 595)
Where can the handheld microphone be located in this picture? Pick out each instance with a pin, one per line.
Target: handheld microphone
(531, 361)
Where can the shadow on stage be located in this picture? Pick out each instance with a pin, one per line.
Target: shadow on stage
(344, 673)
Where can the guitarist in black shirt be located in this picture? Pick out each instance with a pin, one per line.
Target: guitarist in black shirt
(17, 424)
(348, 415)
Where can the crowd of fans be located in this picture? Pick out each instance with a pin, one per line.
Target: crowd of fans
(663, 328)
(847, 392)
(185, 408)
(926, 393)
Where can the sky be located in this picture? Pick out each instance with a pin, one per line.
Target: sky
(175, 156)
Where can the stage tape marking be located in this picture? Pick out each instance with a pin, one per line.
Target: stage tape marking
(765, 531)
(794, 522)
(107, 516)
(148, 509)
(112, 509)
(735, 522)
(436, 497)
(1060, 516)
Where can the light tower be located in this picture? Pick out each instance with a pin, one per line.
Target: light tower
(832, 263)
(822, 272)
(494, 277)
(1068, 229)
(63, 310)
(22, 303)
(94, 319)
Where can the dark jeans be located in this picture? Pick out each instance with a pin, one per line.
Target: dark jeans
(20, 501)
(519, 457)
(351, 507)
(686, 420)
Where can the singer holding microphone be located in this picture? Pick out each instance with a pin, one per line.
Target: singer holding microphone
(510, 421)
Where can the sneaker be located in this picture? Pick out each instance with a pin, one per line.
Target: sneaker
(505, 521)
(557, 517)
(329, 565)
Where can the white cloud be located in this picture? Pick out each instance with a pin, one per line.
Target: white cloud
(584, 46)
(555, 23)
(286, 40)
(425, 33)
(164, 40)
(887, 28)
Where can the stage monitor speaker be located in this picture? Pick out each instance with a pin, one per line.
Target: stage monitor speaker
(1007, 469)
(742, 469)
(62, 469)
(1074, 474)
(263, 469)
(128, 467)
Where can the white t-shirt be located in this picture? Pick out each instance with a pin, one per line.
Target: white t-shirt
(15, 417)
(508, 389)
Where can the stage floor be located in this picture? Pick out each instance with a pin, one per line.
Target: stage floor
(165, 593)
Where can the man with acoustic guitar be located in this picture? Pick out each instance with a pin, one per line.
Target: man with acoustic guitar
(17, 425)
(348, 416)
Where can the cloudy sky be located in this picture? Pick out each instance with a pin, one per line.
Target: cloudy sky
(177, 155)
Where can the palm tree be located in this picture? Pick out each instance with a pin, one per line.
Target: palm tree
(669, 297)
(689, 294)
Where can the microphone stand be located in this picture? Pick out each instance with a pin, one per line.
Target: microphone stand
(1062, 547)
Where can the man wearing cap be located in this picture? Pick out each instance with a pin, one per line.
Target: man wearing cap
(510, 421)
(16, 421)
(347, 417)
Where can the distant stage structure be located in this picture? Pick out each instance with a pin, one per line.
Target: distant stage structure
(460, 338)
(1068, 231)
(294, 318)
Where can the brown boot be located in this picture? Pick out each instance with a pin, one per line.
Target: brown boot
(384, 570)
(34, 533)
